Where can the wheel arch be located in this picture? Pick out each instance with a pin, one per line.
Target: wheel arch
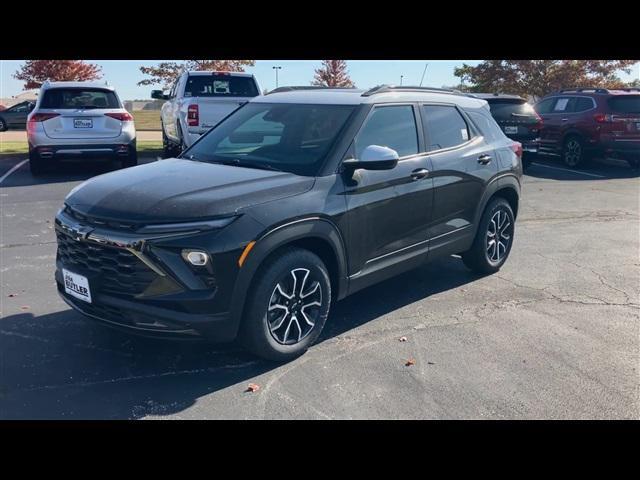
(318, 235)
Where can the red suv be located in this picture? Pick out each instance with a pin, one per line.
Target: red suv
(581, 123)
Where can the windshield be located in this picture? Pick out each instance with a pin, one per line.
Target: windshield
(288, 137)
(79, 98)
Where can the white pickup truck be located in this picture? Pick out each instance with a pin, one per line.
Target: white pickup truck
(197, 101)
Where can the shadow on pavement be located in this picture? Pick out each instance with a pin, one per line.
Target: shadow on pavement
(552, 168)
(58, 365)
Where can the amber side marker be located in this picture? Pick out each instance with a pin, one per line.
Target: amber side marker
(245, 252)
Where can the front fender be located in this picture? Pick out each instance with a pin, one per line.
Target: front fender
(302, 229)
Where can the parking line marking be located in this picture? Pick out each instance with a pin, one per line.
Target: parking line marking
(567, 170)
(2, 179)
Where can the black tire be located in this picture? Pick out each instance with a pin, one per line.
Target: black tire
(169, 149)
(527, 159)
(573, 152)
(481, 257)
(268, 318)
(131, 160)
(3, 125)
(36, 165)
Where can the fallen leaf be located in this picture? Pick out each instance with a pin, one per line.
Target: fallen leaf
(24, 307)
(403, 339)
(252, 387)
(410, 362)
(431, 363)
(11, 295)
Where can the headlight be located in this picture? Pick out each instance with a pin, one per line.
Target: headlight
(188, 226)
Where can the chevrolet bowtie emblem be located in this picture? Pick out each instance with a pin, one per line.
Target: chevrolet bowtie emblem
(80, 233)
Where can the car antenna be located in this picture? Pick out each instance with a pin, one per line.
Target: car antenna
(424, 71)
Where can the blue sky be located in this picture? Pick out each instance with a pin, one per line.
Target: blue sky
(124, 74)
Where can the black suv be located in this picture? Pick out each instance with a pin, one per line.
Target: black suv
(518, 120)
(295, 200)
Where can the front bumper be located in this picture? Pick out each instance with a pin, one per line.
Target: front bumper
(142, 285)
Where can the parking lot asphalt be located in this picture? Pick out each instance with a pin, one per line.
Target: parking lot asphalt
(555, 334)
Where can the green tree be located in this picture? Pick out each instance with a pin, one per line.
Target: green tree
(166, 72)
(537, 78)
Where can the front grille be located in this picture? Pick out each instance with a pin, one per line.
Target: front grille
(120, 271)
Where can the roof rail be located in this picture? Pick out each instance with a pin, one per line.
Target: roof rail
(584, 89)
(629, 89)
(402, 88)
(307, 87)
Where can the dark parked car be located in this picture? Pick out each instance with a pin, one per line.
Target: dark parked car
(15, 116)
(518, 120)
(293, 201)
(582, 123)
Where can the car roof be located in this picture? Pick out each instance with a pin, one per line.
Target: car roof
(103, 85)
(498, 96)
(352, 96)
(202, 73)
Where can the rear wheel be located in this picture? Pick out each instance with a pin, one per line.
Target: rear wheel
(527, 158)
(131, 160)
(169, 149)
(3, 125)
(287, 306)
(573, 152)
(36, 165)
(494, 238)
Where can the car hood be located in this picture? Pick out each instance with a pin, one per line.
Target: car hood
(177, 190)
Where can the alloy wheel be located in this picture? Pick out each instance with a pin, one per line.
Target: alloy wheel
(294, 306)
(573, 153)
(499, 236)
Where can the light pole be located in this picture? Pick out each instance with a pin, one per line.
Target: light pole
(401, 77)
(276, 69)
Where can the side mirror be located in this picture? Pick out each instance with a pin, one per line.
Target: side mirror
(374, 157)
(159, 95)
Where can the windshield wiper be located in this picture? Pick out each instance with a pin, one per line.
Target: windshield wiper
(239, 162)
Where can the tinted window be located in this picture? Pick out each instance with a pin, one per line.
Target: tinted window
(545, 105)
(393, 127)
(625, 104)
(220, 86)
(583, 104)
(290, 137)
(509, 109)
(488, 127)
(444, 126)
(79, 98)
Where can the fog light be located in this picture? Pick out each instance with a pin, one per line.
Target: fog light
(195, 257)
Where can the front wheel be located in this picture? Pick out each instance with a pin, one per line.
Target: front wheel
(288, 305)
(3, 125)
(493, 240)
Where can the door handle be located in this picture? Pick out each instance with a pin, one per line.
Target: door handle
(484, 159)
(419, 173)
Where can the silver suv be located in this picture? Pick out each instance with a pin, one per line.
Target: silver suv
(78, 120)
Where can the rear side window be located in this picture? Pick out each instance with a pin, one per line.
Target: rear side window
(509, 109)
(79, 98)
(564, 104)
(445, 127)
(393, 127)
(583, 104)
(625, 104)
(220, 86)
(488, 127)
